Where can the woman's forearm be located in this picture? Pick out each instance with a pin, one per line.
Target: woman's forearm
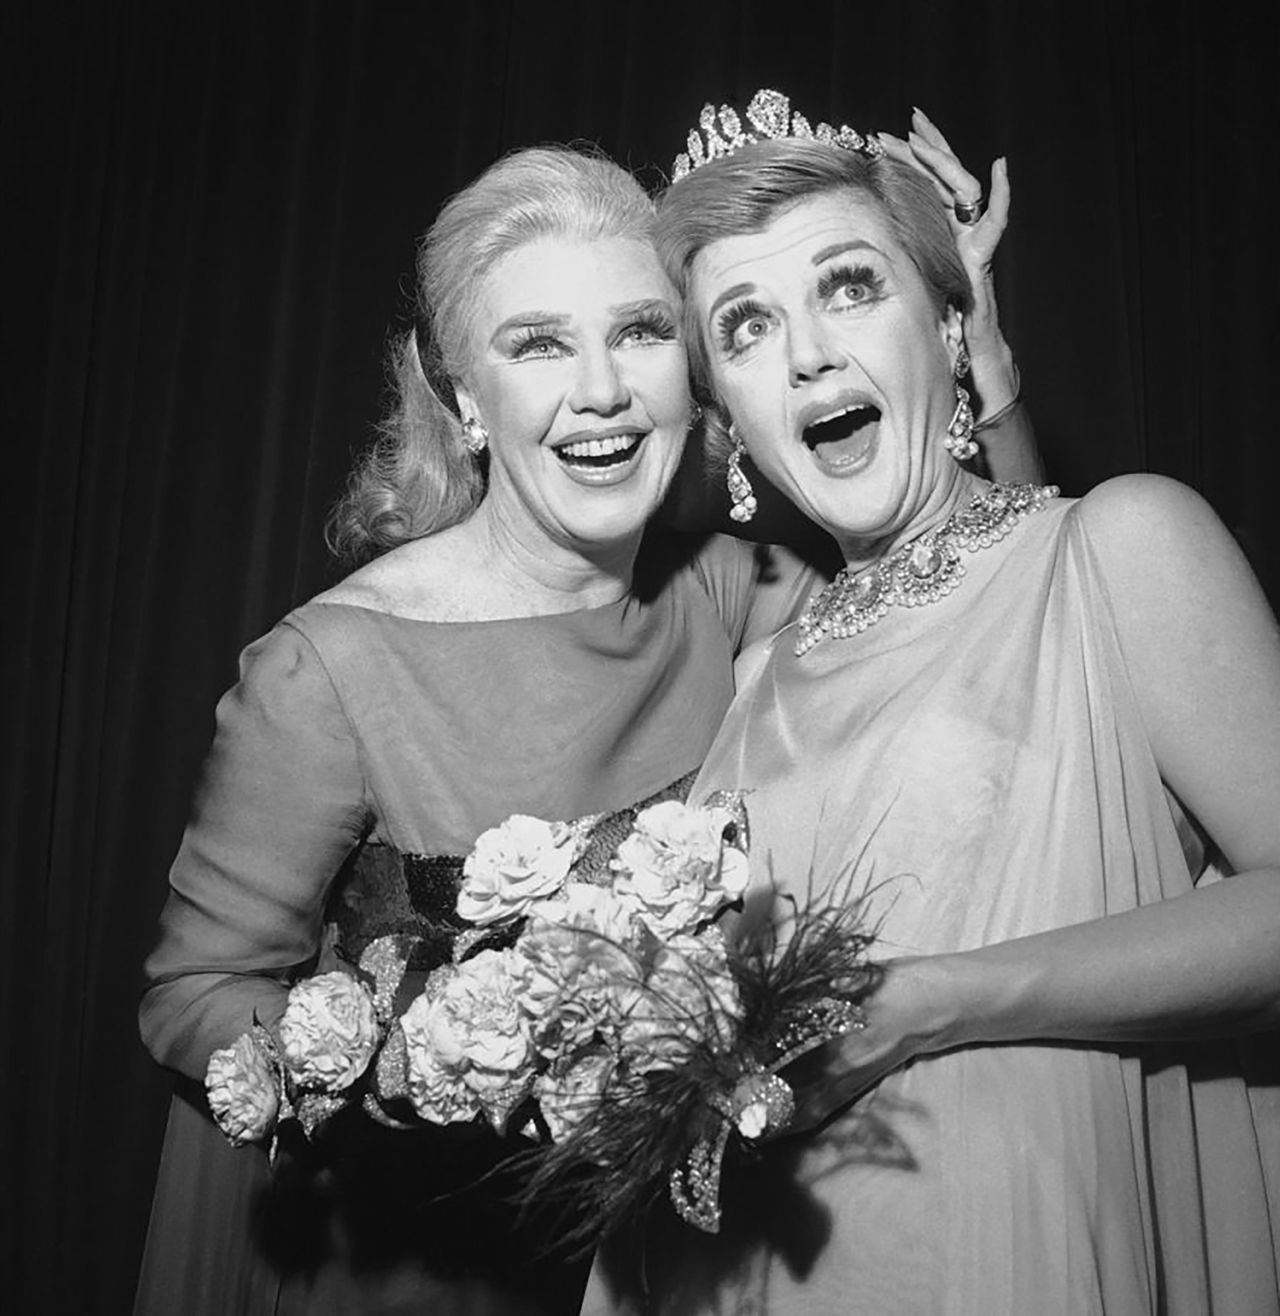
(1205, 964)
(1196, 965)
(1008, 451)
(1005, 436)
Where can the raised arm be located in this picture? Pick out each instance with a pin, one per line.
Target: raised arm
(278, 808)
(1004, 431)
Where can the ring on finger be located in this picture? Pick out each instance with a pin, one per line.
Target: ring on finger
(968, 212)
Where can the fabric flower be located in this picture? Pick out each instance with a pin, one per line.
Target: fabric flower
(467, 1030)
(329, 1032)
(567, 1097)
(522, 861)
(585, 925)
(437, 1091)
(689, 996)
(577, 975)
(677, 867)
(242, 1092)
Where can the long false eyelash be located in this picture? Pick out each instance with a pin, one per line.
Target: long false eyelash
(530, 335)
(862, 275)
(732, 318)
(655, 323)
(651, 322)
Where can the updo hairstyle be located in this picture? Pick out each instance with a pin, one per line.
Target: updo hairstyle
(417, 477)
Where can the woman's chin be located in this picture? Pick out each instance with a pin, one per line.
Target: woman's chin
(606, 505)
(611, 514)
(853, 500)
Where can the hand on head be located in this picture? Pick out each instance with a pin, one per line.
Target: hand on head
(978, 229)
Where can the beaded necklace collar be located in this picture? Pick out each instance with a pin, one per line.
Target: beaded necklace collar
(920, 572)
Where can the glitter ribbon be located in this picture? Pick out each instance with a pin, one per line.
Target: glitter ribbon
(761, 1102)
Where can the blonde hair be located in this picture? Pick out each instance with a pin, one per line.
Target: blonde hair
(417, 477)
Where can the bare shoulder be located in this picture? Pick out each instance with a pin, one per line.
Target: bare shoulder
(358, 590)
(1202, 651)
(1123, 513)
(1185, 600)
(1160, 541)
(417, 579)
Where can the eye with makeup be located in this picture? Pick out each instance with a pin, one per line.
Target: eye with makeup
(536, 343)
(849, 287)
(740, 326)
(651, 327)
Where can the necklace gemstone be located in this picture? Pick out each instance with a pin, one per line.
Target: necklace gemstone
(922, 571)
(865, 590)
(924, 559)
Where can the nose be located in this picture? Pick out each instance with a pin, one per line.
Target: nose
(599, 386)
(810, 351)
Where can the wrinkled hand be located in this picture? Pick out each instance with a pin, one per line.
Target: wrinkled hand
(928, 151)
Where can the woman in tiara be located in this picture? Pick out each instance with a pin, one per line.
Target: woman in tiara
(507, 646)
(1030, 716)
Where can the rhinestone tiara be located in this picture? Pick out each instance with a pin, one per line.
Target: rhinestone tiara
(769, 114)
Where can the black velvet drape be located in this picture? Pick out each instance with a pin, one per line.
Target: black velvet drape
(211, 214)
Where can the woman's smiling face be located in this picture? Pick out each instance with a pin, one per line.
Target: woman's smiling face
(578, 373)
(835, 363)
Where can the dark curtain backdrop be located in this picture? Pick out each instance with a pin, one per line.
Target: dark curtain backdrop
(212, 212)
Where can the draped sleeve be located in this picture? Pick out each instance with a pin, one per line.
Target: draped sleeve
(280, 805)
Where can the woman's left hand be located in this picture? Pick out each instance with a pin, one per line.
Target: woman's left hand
(909, 1013)
(928, 151)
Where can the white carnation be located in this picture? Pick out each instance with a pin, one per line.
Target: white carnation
(242, 1090)
(521, 861)
(689, 997)
(329, 1032)
(678, 868)
(469, 1045)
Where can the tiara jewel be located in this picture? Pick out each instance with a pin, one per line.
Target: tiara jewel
(720, 132)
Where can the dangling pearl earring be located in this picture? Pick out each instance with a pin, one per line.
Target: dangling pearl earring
(474, 436)
(959, 441)
(741, 497)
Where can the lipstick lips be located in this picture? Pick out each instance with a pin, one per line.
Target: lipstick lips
(600, 456)
(841, 433)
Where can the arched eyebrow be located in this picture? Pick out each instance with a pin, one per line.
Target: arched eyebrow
(839, 248)
(730, 295)
(644, 306)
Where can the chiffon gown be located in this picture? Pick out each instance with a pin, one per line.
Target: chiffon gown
(978, 770)
(353, 727)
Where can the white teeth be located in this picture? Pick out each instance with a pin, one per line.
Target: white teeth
(835, 415)
(599, 447)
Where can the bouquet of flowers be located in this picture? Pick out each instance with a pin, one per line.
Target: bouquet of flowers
(595, 1006)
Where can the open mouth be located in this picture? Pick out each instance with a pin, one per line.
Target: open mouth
(845, 436)
(600, 454)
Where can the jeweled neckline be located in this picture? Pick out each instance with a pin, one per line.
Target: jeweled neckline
(922, 571)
